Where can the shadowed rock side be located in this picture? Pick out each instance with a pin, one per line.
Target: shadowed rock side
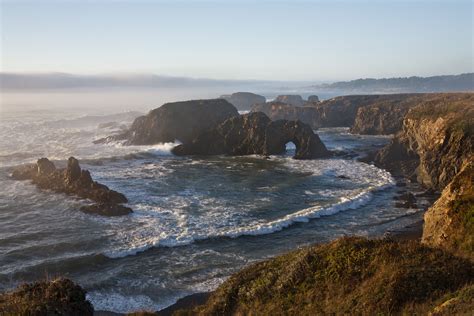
(57, 297)
(74, 181)
(243, 101)
(381, 114)
(290, 99)
(180, 121)
(345, 277)
(255, 133)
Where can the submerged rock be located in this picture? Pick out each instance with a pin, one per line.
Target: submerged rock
(177, 121)
(244, 101)
(255, 133)
(74, 181)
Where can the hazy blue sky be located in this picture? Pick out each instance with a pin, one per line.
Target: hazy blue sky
(277, 40)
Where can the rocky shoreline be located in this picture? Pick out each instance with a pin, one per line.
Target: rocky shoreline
(425, 269)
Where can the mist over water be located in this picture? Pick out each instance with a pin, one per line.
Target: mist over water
(196, 220)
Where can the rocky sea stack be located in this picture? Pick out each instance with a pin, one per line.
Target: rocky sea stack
(176, 121)
(244, 101)
(74, 181)
(255, 133)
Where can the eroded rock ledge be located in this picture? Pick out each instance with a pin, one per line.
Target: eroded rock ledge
(74, 181)
(255, 133)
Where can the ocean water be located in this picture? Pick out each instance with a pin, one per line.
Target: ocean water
(196, 220)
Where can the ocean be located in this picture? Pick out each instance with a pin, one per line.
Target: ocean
(196, 220)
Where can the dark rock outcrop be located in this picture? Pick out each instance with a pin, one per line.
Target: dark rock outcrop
(313, 98)
(255, 133)
(74, 181)
(243, 101)
(57, 297)
(290, 99)
(177, 121)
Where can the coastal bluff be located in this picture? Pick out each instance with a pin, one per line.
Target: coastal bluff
(75, 181)
(364, 114)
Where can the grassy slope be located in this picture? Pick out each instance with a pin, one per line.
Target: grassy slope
(56, 297)
(347, 276)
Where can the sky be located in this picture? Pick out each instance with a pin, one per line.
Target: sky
(261, 40)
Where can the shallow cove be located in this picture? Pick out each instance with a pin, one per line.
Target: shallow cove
(196, 220)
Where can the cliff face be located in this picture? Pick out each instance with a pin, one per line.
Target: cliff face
(366, 114)
(255, 133)
(435, 142)
(180, 121)
(449, 223)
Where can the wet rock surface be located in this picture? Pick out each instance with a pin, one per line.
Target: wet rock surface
(75, 181)
(255, 133)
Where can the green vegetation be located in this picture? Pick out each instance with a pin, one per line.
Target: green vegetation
(56, 297)
(347, 276)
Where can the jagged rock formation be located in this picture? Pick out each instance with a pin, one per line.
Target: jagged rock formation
(74, 181)
(384, 116)
(243, 101)
(57, 297)
(345, 277)
(180, 121)
(435, 142)
(290, 99)
(255, 133)
(366, 114)
(449, 223)
(313, 98)
(436, 148)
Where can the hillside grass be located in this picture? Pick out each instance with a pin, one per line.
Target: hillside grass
(346, 276)
(48, 297)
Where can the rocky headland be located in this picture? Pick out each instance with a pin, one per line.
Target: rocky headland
(434, 276)
(176, 121)
(243, 101)
(74, 181)
(255, 134)
(356, 275)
